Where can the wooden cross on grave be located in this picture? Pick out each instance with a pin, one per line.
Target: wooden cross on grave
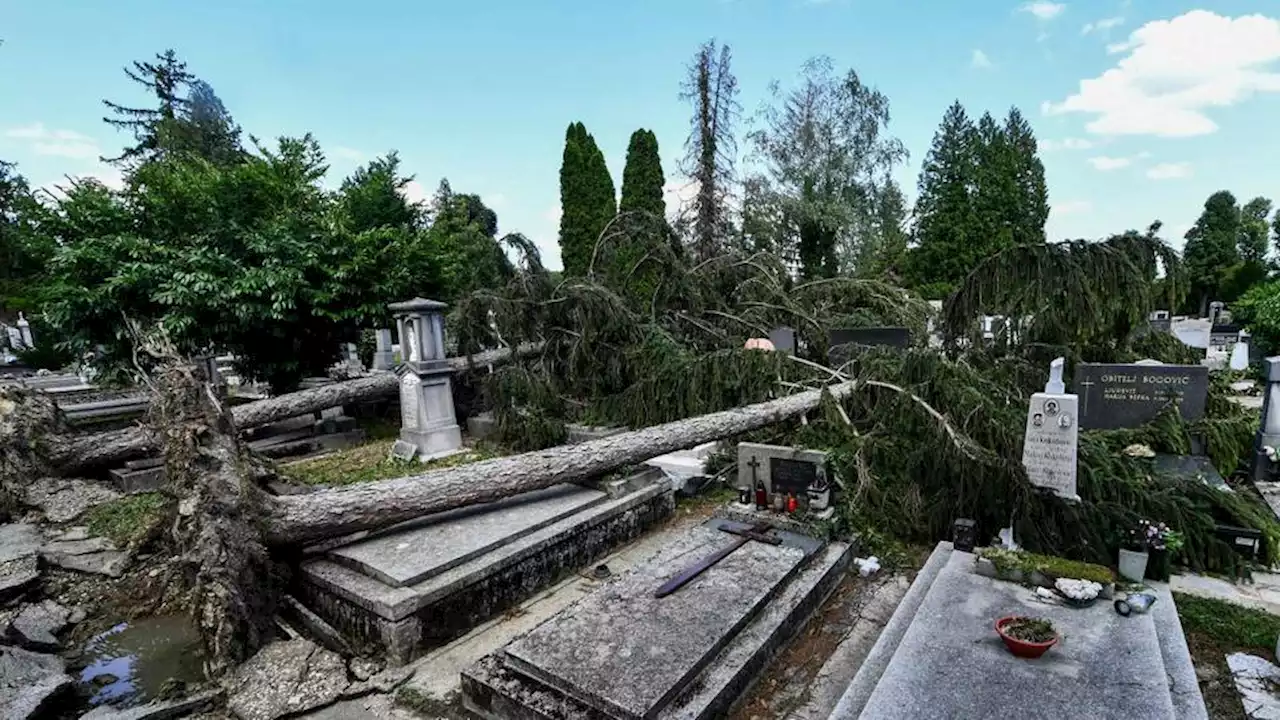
(758, 532)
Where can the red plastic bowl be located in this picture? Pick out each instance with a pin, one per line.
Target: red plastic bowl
(1022, 648)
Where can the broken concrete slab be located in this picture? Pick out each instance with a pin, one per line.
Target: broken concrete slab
(19, 569)
(65, 499)
(29, 681)
(415, 553)
(157, 710)
(939, 656)
(71, 534)
(36, 626)
(84, 546)
(132, 481)
(286, 678)
(111, 563)
(1256, 679)
(627, 653)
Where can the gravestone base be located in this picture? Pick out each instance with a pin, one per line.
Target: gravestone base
(420, 584)
(621, 653)
(434, 444)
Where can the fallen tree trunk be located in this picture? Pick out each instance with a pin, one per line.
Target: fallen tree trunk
(331, 513)
(70, 453)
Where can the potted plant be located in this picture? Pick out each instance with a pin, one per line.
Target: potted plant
(1027, 637)
(1144, 538)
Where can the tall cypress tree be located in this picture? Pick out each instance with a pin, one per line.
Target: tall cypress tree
(587, 199)
(642, 178)
(944, 232)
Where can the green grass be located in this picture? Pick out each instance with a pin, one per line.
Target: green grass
(1056, 567)
(128, 519)
(372, 461)
(1229, 625)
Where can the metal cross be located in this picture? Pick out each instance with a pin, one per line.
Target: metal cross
(757, 532)
(1084, 396)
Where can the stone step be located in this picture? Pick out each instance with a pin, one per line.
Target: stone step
(387, 599)
(694, 667)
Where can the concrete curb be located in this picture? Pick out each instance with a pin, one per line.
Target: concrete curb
(864, 683)
(1188, 703)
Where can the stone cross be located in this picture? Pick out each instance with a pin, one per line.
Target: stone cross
(428, 421)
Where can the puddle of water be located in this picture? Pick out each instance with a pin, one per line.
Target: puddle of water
(129, 663)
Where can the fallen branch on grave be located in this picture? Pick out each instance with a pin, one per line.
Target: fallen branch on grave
(331, 513)
(73, 453)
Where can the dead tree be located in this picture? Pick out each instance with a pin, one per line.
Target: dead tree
(69, 454)
(331, 513)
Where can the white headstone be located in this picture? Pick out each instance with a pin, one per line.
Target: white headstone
(1052, 437)
(1240, 354)
(410, 389)
(24, 329)
(412, 331)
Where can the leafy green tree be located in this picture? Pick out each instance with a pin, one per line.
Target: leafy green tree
(189, 118)
(1211, 252)
(826, 151)
(711, 149)
(1254, 230)
(23, 253)
(462, 243)
(587, 199)
(373, 196)
(947, 244)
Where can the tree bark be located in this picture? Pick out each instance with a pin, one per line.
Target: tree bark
(72, 453)
(330, 513)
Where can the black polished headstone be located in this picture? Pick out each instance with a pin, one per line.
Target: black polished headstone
(1126, 396)
(891, 336)
(1221, 336)
(792, 476)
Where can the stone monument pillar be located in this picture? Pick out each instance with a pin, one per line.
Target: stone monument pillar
(428, 425)
(1269, 429)
(383, 356)
(1052, 436)
(24, 331)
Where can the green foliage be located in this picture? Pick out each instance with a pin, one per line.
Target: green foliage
(642, 178)
(1232, 626)
(587, 199)
(1212, 251)
(1078, 294)
(982, 190)
(1259, 310)
(629, 256)
(128, 520)
(373, 197)
(23, 252)
(1048, 565)
(827, 159)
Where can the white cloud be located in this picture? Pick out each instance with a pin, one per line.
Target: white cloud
(494, 201)
(1043, 9)
(1070, 207)
(1177, 69)
(1065, 144)
(414, 192)
(1102, 26)
(56, 143)
(980, 60)
(347, 153)
(1106, 164)
(1170, 171)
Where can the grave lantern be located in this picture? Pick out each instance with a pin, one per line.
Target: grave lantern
(428, 424)
(964, 534)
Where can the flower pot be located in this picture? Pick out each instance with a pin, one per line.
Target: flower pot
(1022, 648)
(1133, 565)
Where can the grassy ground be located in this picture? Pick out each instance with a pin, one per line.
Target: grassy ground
(127, 520)
(1215, 629)
(372, 461)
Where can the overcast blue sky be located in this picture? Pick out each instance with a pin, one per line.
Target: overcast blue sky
(1143, 107)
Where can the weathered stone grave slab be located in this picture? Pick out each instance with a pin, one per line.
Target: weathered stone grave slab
(1128, 395)
(939, 656)
(450, 539)
(629, 654)
(418, 584)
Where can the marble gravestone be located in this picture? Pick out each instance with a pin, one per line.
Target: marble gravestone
(383, 355)
(428, 424)
(1127, 395)
(1052, 437)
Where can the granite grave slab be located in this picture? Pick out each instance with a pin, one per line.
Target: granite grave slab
(1128, 395)
(628, 654)
(451, 539)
